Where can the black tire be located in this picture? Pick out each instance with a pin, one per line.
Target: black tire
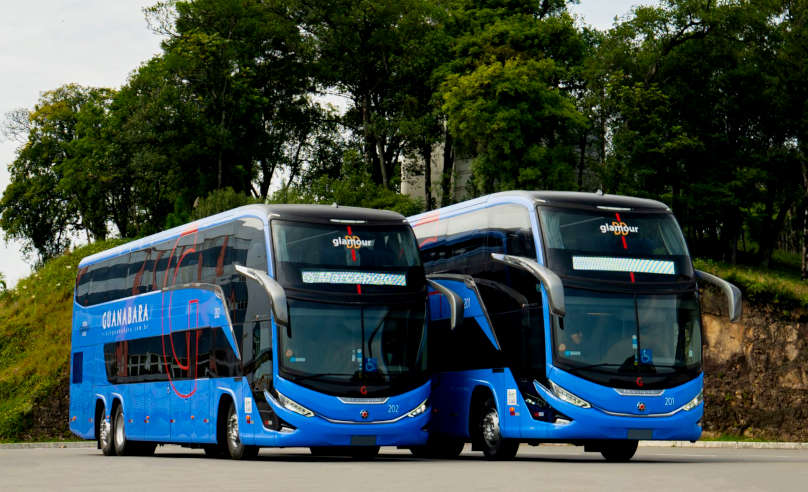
(237, 449)
(439, 447)
(495, 447)
(122, 445)
(104, 434)
(619, 451)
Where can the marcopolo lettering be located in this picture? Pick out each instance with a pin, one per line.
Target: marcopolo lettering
(351, 242)
(618, 228)
(115, 318)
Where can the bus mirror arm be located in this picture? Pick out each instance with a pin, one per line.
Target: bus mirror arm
(276, 293)
(732, 293)
(455, 302)
(552, 282)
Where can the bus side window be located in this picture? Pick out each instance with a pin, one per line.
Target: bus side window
(137, 271)
(83, 280)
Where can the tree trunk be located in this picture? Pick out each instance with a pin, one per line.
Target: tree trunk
(426, 152)
(769, 237)
(382, 163)
(448, 170)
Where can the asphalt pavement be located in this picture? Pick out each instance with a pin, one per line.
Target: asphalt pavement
(174, 469)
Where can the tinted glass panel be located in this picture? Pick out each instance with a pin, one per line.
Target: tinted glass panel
(616, 246)
(613, 338)
(190, 354)
(336, 348)
(359, 258)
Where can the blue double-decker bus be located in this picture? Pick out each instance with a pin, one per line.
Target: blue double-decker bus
(266, 325)
(582, 324)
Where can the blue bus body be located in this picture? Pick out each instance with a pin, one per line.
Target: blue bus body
(515, 358)
(169, 334)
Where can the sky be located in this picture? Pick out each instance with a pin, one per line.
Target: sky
(48, 43)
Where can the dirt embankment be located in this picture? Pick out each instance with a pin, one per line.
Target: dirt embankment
(756, 374)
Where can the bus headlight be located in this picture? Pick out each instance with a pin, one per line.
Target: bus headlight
(419, 409)
(694, 402)
(294, 406)
(568, 397)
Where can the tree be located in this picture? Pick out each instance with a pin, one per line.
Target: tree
(362, 48)
(48, 199)
(698, 117)
(507, 92)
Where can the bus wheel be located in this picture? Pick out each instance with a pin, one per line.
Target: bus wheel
(619, 450)
(123, 446)
(105, 435)
(237, 449)
(494, 446)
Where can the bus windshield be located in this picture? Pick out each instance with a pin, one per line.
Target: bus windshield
(369, 331)
(337, 348)
(615, 245)
(356, 258)
(615, 338)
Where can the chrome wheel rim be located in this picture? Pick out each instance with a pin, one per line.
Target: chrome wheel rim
(491, 428)
(103, 429)
(232, 431)
(120, 436)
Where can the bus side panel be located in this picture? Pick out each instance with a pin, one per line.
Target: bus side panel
(81, 401)
(191, 414)
(157, 409)
(451, 395)
(82, 377)
(135, 406)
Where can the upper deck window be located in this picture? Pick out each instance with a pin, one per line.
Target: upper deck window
(613, 244)
(340, 257)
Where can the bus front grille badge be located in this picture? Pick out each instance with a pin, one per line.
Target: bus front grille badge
(641, 406)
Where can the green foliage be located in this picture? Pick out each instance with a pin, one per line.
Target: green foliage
(507, 92)
(354, 188)
(59, 178)
(35, 321)
(763, 286)
(700, 106)
(221, 201)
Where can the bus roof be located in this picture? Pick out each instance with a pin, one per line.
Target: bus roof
(553, 198)
(313, 213)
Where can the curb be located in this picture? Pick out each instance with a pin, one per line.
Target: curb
(33, 445)
(724, 444)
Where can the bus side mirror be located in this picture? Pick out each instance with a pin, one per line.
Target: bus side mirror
(274, 290)
(551, 282)
(455, 302)
(732, 293)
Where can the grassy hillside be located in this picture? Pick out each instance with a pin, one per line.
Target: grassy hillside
(35, 320)
(778, 286)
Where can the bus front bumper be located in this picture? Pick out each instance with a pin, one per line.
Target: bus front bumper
(317, 431)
